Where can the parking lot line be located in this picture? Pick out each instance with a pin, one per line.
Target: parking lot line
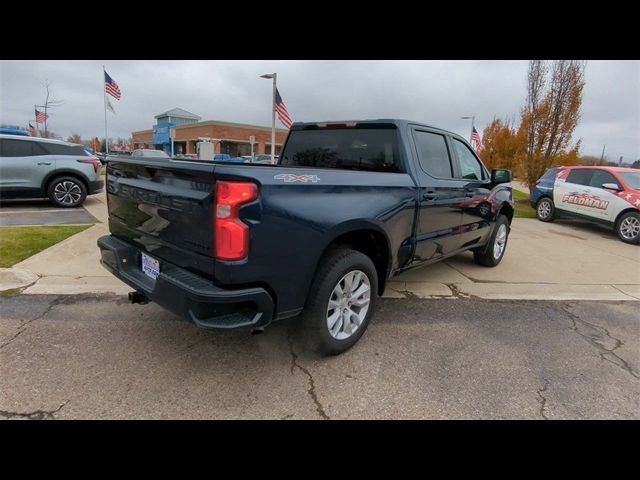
(8, 212)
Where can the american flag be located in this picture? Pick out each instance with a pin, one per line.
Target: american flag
(475, 140)
(281, 110)
(111, 87)
(41, 117)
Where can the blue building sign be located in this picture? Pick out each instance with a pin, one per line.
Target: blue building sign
(161, 133)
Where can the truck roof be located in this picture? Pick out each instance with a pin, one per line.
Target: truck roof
(398, 122)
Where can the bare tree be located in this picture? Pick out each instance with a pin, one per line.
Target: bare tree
(48, 103)
(550, 116)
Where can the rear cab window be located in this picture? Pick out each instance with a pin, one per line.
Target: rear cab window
(372, 148)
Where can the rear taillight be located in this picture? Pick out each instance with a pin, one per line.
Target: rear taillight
(94, 161)
(231, 234)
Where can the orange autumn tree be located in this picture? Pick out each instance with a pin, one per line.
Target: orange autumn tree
(74, 138)
(502, 146)
(550, 116)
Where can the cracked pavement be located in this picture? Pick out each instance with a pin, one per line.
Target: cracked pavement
(96, 356)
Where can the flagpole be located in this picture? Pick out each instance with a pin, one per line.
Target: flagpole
(35, 109)
(273, 122)
(104, 92)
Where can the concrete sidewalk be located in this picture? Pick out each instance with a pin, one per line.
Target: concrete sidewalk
(551, 261)
(69, 267)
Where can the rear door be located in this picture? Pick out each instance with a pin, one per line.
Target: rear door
(439, 215)
(24, 164)
(572, 189)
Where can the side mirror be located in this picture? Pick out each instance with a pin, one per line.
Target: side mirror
(611, 186)
(501, 175)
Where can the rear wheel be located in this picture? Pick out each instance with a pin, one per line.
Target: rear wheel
(492, 253)
(341, 301)
(545, 209)
(66, 192)
(628, 228)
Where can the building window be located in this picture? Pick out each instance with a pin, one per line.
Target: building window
(235, 149)
(267, 149)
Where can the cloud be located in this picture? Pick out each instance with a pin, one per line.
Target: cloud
(434, 92)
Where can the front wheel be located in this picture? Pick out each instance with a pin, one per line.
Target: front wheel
(341, 301)
(491, 254)
(628, 228)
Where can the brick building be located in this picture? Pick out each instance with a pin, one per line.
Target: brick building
(231, 138)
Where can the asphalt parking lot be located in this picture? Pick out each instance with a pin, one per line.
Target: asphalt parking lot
(88, 356)
(41, 212)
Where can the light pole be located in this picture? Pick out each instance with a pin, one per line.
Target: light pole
(273, 115)
(473, 121)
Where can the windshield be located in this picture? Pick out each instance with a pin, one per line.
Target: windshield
(632, 179)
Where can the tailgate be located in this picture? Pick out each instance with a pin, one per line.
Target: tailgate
(164, 207)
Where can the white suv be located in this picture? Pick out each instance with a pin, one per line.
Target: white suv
(33, 167)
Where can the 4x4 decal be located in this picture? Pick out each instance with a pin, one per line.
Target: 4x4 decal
(291, 178)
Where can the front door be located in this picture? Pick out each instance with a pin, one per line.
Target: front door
(572, 190)
(439, 215)
(606, 203)
(476, 209)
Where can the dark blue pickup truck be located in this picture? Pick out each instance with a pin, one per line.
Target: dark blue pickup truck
(349, 205)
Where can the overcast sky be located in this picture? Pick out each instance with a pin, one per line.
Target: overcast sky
(434, 92)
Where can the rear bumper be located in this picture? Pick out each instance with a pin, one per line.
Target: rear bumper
(190, 296)
(96, 186)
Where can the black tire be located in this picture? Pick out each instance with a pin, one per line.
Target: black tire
(74, 189)
(485, 255)
(545, 201)
(627, 237)
(335, 265)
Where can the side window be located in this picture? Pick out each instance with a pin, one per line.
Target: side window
(433, 154)
(470, 168)
(550, 174)
(580, 176)
(20, 148)
(58, 149)
(600, 176)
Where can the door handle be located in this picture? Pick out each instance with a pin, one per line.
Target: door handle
(469, 193)
(430, 195)
(44, 163)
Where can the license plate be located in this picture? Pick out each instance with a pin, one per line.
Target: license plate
(150, 266)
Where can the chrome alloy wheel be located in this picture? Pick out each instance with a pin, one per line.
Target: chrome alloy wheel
(544, 209)
(67, 192)
(500, 242)
(630, 228)
(348, 304)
